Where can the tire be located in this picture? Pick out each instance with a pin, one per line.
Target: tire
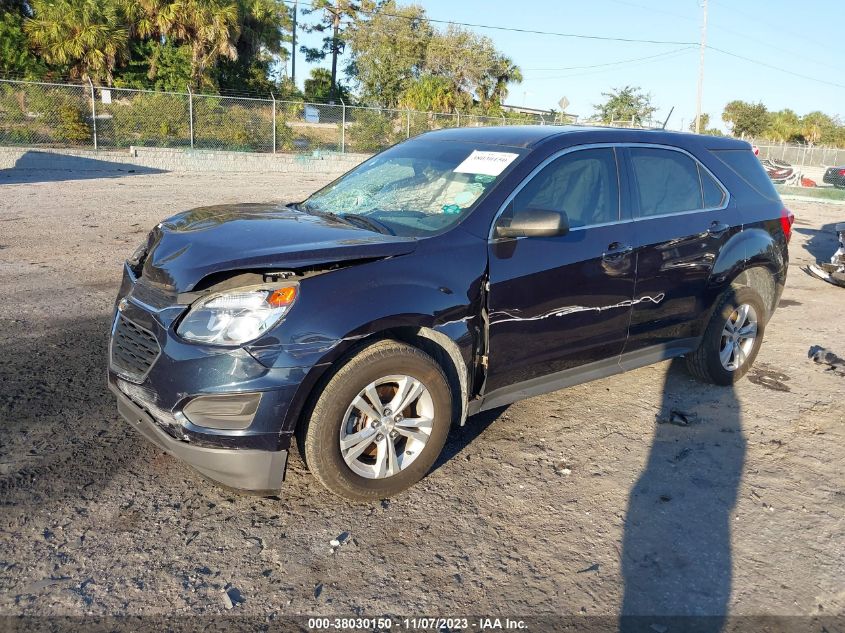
(377, 473)
(706, 363)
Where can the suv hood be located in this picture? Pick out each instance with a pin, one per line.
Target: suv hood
(189, 246)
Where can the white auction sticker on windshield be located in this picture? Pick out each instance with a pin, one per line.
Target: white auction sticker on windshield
(487, 163)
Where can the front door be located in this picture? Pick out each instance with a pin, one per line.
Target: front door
(557, 304)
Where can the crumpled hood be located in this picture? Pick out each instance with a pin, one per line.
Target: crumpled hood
(192, 245)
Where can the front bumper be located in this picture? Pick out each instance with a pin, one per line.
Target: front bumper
(249, 454)
(245, 469)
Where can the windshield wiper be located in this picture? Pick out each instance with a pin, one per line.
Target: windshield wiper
(371, 223)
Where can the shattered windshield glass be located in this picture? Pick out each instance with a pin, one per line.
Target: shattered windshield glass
(416, 188)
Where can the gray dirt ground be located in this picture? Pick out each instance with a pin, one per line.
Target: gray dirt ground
(571, 503)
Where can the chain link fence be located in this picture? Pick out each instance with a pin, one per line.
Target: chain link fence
(72, 115)
(801, 155)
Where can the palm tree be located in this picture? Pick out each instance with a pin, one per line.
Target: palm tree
(87, 37)
(493, 87)
(210, 27)
(506, 73)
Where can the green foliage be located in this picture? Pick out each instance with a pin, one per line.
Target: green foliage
(398, 59)
(88, 37)
(162, 66)
(705, 122)
(373, 130)
(72, 126)
(16, 58)
(318, 87)
(387, 52)
(222, 125)
(430, 94)
(147, 119)
(628, 104)
(746, 119)
(38, 114)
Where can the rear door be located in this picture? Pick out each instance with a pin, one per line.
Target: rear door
(682, 218)
(560, 303)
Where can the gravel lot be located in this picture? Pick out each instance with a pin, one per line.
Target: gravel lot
(578, 502)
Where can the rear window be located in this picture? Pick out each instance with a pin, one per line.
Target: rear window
(747, 166)
(667, 181)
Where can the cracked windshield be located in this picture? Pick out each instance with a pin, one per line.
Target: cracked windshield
(415, 189)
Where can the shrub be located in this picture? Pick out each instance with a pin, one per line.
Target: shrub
(372, 131)
(72, 126)
(147, 119)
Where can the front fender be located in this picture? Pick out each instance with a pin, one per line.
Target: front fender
(435, 294)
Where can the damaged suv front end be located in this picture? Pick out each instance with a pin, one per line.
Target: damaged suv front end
(193, 359)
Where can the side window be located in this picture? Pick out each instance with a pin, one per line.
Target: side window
(714, 196)
(584, 184)
(667, 181)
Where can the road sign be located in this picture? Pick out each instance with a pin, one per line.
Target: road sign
(563, 103)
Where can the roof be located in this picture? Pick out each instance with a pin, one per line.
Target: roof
(529, 136)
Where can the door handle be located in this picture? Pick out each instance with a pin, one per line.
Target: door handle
(617, 250)
(718, 229)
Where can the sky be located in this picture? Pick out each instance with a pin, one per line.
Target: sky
(799, 37)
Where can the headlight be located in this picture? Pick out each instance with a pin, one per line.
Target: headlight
(237, 316)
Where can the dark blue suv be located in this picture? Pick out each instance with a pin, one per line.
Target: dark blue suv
(458, 271)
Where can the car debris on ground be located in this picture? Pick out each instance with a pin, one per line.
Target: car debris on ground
(824, 356)
(833, 272)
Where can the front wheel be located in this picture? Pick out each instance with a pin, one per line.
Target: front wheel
(731, 340)
(380, 422)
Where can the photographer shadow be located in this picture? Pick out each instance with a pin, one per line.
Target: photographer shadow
(676, 555)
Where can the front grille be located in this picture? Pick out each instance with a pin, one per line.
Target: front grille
(133, 349)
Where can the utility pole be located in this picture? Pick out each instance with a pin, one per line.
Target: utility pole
(335, 48)
(293, 45)
(702, 48)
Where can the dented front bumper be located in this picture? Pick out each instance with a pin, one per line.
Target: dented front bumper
(245, 469)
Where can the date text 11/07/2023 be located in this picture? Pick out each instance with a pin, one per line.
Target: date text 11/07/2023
(417, 624)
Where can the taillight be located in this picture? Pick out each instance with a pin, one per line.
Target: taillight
(786, 220)
(842, 172)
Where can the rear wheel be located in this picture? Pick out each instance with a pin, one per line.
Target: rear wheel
(380, 422)
(731, 340)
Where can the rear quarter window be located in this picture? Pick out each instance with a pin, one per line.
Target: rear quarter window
(747, 166)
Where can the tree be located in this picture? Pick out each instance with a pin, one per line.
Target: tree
(210, 27)
(816, 127)
(387, 52)
(430, 94)
(318, 87)
(705, 123)
(628, 104)
(784, 126)
(746, 119)
(264, 27)
(85, 37)
(493, 87)
(335, 16)
(162, 65)
(16, 58)
(465, 59)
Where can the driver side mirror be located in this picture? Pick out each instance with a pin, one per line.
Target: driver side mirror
(534, 222)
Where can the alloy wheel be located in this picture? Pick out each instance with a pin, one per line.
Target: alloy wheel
(386, 426)
(738, 337)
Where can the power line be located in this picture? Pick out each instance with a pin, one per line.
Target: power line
(655, 58)
(773, 67)
(614, 63)
(512, 29)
